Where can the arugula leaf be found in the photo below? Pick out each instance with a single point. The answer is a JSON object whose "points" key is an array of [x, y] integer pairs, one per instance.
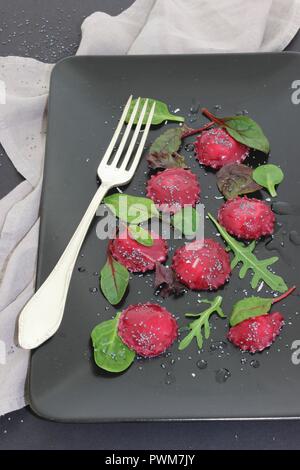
{"points": [[114, 279], [110, 353], [187, 220], [254, 306], [161, 112], [131, 209], [235, 179], [202, 322], [249, 307], [268, 176], [243, 129], [244, 254], [141, 235]]}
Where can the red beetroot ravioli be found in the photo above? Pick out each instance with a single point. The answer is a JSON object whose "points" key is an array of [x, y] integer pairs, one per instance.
{"points": [[256, 333], [203, 267], [148, 329], [216, 148], [136, 257], [247, 218], [173, 188]]}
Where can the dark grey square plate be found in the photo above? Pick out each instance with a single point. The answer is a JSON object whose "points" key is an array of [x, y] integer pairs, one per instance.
{"points": [[85, 98]]}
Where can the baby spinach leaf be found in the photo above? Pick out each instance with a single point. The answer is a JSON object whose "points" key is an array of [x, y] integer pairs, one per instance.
{"points": [[244, 255], [235, 179], [249, 307], [114, 279], [161, 112], [243, 129], [202, 322], [187, 221], [268, 176], [248, 132], [163, 153], [141, 235], [131, 209], [110, 353]]}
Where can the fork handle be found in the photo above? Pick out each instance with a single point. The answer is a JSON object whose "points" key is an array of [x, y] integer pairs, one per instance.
{"points": [[42, 315]]}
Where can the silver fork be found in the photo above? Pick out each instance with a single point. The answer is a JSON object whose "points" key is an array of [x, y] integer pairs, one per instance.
{"points": [[42, 315]]}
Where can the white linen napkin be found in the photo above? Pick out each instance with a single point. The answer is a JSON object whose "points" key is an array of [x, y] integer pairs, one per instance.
{"points": [[147, 27]]}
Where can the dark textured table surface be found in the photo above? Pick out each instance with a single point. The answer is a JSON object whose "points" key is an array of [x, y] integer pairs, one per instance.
{"points": [[49, 31]]}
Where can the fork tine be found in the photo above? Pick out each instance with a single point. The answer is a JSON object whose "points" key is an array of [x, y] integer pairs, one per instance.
{"points": [[134, 137], [116, 133], [143, 141], [126, 134]]}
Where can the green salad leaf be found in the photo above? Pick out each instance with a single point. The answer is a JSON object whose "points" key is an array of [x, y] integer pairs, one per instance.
{"points": [[268, 176], [110, 353], [243, 129], [131, 209], [114, 279], [202, 322], [254, 306], [169, 141], [249, 307], [161, 112], [244, 255], [141, 235], [187, 221]]}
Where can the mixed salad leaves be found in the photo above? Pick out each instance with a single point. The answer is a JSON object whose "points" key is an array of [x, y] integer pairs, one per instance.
{"points": [[223, 144]]}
